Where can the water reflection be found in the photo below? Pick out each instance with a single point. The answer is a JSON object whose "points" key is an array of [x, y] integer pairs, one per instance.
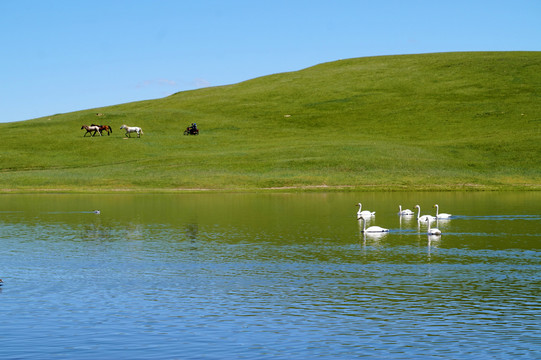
{"points": [[433, 243], [286, 275], [192, 233], [372, 236], [406, 220], [96, 232]]}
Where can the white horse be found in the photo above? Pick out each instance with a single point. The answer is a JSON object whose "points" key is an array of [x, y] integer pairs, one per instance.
{"points": [[89, 129], [130, 129]]}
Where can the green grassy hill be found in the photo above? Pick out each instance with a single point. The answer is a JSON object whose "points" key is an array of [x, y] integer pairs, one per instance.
{"points": [[431, 121]]}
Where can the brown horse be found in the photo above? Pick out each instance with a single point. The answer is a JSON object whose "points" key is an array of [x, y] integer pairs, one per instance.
{"points": [[104, 128], [89, 129]]}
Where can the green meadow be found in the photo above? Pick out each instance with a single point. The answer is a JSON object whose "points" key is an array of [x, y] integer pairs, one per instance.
{"points": [[445, 121]]}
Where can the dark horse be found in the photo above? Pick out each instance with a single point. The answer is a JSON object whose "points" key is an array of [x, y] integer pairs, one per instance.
{"points": [[89, 129], [191, 131], [104, 128]]}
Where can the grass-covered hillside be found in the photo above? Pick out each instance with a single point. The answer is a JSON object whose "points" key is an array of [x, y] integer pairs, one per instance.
{"points": [[431, 121]]}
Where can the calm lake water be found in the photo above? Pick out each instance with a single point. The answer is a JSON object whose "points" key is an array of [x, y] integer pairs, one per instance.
{"points": [[270, 276]]}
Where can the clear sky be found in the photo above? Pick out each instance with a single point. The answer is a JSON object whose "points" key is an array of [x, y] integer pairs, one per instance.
{"points": [[59, 56]]}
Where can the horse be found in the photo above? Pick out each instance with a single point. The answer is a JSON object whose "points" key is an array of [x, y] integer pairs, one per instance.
{"points": [[89, 129], [130, 129], [104, 127]]}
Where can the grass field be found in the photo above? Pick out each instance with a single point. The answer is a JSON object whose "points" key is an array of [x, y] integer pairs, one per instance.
{"points": [[446, 121]]}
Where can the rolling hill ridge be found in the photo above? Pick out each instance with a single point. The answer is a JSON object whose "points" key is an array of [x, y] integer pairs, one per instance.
{"points": [[446, 121]]}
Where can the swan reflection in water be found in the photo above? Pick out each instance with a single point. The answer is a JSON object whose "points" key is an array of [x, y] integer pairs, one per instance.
{"points": [[433, 241], [372, 237], [405, 220]]}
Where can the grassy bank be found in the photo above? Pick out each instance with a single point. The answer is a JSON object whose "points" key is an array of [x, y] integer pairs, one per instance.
{"points": [[412, 122]]}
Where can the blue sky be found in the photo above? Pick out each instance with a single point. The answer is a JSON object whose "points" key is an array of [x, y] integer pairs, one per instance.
{"points": [[64, 55]]}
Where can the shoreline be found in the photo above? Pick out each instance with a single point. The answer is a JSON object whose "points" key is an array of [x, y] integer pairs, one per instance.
{"points": [[277, 189]]}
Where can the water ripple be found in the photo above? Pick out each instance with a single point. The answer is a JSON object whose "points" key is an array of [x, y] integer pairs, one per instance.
{"points": [[277, 285]]}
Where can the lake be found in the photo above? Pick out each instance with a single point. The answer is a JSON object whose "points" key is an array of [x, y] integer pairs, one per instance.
{"points": [[269, 276]]}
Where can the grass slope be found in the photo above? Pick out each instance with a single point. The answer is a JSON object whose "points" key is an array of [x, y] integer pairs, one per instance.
{"points": [[430, 121]]}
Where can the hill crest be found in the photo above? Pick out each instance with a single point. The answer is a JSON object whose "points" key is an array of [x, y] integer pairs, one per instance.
{"points": [[428, 121]]}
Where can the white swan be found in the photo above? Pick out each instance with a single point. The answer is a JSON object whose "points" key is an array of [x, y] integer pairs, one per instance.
{"points": [[433, 231], [372, 229], [441, 215], [365, 213], [405, 211], [424, 217]]}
